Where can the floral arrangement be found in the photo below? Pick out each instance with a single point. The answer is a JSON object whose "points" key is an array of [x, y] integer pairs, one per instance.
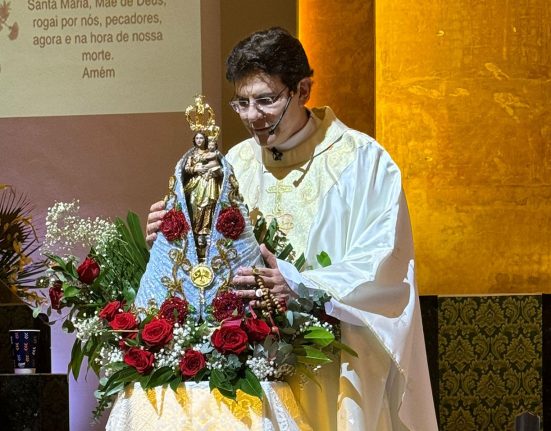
{"points": [[235, 348], [18, 241]]}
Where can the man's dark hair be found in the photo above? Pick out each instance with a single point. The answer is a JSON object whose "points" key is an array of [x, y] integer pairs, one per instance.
{"points": [[275, 52]]}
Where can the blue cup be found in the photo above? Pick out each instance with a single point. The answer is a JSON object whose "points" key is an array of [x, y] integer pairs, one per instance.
{"points": [[24, 344]]}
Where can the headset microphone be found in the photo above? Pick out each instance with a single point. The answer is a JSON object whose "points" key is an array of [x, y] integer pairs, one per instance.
{"points": [[273, 128]]}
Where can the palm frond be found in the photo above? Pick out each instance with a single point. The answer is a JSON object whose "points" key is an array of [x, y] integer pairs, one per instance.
{"points": [[18, 241]]}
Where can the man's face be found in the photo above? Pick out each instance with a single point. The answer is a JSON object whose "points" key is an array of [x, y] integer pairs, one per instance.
{"points": [[259, 119]]}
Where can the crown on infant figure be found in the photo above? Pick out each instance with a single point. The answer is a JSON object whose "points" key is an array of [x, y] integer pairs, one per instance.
{"points": [[201, 118]]}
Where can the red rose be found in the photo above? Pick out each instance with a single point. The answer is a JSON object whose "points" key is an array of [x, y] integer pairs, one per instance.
{"points": [[174, 225], [56, 295], [257, 329], [141, 360], [174, 310], [111, 310], [157, 333], [191, 363], [227, 305], [230, 223], [230, 338], [88, 270], [124, 322]]}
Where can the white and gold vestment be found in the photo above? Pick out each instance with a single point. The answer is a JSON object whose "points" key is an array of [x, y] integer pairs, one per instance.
{"points": [[339, 191]]}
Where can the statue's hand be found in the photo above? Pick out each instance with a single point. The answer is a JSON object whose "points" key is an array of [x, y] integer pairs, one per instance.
{"points": [[156, 213], [273, 279]]}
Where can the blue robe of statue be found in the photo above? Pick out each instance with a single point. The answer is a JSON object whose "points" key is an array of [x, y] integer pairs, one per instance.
{"points": [[172, 263]]}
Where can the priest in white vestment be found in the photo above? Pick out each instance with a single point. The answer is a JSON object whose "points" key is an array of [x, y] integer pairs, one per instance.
{"points": [[334, 190]]}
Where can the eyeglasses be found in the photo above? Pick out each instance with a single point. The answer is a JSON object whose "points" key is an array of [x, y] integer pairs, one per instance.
{"points": [[261, 103]]}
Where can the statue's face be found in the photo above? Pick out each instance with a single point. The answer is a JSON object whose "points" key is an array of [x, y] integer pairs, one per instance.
{"points": [[200, 140], [212, 146]]}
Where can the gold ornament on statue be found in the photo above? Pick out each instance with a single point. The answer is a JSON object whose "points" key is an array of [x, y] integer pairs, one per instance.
{"points": [[201, 276], [201, 118]]}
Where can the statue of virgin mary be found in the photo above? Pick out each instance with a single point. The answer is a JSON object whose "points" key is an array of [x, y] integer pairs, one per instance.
{"points": [[206, 234]]}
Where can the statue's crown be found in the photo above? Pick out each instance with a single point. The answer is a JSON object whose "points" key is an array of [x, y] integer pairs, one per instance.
{"points": [[200, 117]]}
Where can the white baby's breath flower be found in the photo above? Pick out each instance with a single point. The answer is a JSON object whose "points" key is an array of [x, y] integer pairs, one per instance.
{"points": [[66, 230], [85, 328], [261, 367]]}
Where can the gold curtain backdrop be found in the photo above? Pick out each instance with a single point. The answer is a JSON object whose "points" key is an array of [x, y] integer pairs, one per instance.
{"points": [[461, 103]]}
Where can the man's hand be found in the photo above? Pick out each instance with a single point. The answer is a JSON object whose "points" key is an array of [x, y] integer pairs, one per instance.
{"points": [[156, 213], [273, 279]]}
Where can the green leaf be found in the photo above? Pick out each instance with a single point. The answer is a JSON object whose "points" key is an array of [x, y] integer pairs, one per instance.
{"points": [[285, 252], [175, 382], [133, 240], [93, 352], [60, 262], [250, 384], [323, 259], [77, 355], [142, 380], [137, 233], [115, 379], [68, 326], [70, 291], [159, 377], [273, 228], [231, 393], [114, 389], [88, 346], [217, 377], [284, 348], [129, 294], [341, 346], [284, 354], [320, 336], [36, 312], [299, 263], [219, 381], [113, 367], [260, 229], [312, 356], [71, 270], [124, 375], [199, 376]]}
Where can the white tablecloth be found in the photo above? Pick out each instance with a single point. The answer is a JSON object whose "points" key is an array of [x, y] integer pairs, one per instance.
{"points": [[194, 407]]}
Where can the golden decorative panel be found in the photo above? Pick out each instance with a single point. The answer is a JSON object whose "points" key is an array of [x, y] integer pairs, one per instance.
{"points": [[463, 92], [462, 95]]}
